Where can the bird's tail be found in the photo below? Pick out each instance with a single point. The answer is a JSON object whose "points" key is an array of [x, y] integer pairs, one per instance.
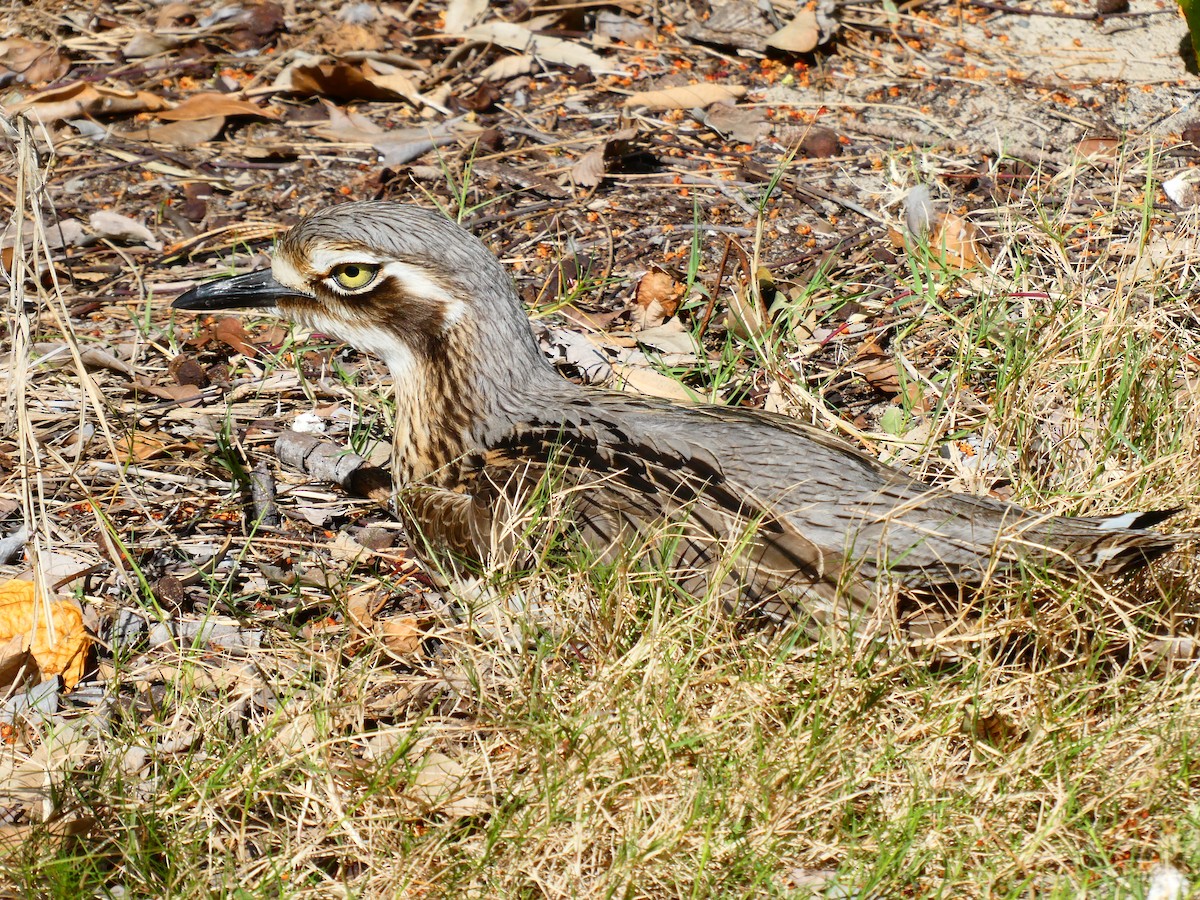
{"points": [[1110, 545]]}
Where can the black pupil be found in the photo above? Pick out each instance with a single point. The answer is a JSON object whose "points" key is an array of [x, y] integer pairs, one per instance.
{"points": [[351, 272]]}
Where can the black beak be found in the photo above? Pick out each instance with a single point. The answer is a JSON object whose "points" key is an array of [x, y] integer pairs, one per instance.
{"points": [[254, 289]]}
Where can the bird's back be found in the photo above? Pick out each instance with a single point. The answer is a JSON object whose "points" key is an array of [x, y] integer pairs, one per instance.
{"points": [[809, 519]]}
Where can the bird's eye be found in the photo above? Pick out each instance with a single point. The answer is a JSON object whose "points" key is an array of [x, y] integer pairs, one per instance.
{"points": [[354, 276]]}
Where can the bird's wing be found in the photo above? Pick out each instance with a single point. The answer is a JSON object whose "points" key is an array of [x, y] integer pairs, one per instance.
{"points": [[614, 485]]}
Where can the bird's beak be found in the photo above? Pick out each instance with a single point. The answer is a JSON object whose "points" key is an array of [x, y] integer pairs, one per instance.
{"points": [[254, 289]]}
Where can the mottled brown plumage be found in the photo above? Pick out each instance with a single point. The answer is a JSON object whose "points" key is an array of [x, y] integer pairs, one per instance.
{"points": [[816, 527]]}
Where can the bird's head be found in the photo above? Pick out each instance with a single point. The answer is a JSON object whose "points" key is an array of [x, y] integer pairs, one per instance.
{"points": [[424, 295], [401, 282]]}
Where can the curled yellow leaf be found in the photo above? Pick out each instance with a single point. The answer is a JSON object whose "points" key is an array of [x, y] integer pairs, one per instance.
{"points": [[58, 650]]}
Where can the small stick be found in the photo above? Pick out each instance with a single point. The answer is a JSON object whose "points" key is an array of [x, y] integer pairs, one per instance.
{"points": [[325, 461]]}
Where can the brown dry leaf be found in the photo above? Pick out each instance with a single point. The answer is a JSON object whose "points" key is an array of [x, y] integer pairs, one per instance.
{"points": [[589, 169], [361, 608], [657, 299], [186, 369], [23, 615], [396, 147], [211, 105], [958, 243], [1100, 149], [688, 96], [349, 81], [745, 317], [31, 62], [231, 332], [347, 549], [144, 446], [877, 367], [801, 35], [188, 394], [80, 99], [187, 133], [639, 380], [400, 635], [746, 125], [440, 786], [672, 342]]}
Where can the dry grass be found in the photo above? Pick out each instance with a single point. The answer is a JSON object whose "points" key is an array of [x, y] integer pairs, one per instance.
{"points": [[585, 731]]}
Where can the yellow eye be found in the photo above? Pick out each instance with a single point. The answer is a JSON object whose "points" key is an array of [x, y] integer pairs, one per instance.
{"points": [[353, 276]]}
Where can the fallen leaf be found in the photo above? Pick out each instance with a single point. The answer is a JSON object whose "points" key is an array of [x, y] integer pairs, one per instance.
{"points": [[232, 332], [734, 23], [396, 147], [209, 105], [347, 549], [352, 37], [617, 27], [1182, 190], [877, 367], [674, 343], [639, 380], [187, 394], [746, 316], [959, 243], [462, 14], [746, 125], [361, 608], [820, 143], [31, 781], [688, 96], [111, 226], [175, 15], [657, 299], [186, 369], [400, 635], [23, 615], [507, 67], [16, 661], [73, 101], [548, 49], [567, 347], [442, 785], [31, 62], [187, 133], [362, 80], [1098, 149], [801, 35], [143, 446], [589, 169]]}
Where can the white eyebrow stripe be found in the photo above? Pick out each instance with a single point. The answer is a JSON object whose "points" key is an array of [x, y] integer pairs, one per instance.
{"points": [[417, 282], [322, 261]]}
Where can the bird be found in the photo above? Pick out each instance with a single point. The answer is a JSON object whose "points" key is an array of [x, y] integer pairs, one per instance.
{"points": [[776, 517]]}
